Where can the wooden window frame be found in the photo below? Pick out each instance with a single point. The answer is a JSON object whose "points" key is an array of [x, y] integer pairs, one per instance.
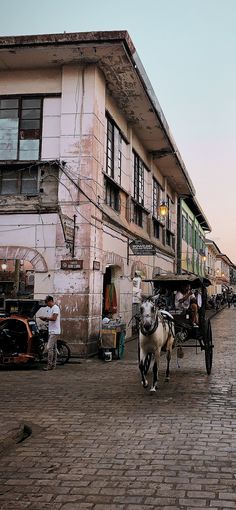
{"points": [[20, 136], [156, 198], [112, 195], [19, 171], [139, 168]]}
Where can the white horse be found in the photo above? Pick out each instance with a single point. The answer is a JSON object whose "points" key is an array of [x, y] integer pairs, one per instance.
{"points": [[156, 331]]}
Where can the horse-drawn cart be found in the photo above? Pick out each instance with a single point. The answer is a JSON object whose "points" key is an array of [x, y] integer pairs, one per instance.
{"points": [[164, 289]]}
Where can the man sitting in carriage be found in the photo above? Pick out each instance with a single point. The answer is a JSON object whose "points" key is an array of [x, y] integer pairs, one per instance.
{"points": [[186, 301]]}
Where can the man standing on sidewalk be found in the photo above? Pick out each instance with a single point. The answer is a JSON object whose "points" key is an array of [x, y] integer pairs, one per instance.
{"points": [[54, 330]]}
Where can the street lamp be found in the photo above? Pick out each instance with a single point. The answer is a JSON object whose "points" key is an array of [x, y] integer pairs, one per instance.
{"points": [[203, 255], [163, 209], [4, 265]]}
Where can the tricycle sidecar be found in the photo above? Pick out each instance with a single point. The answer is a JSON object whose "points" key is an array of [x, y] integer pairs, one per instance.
{"points": [[19, 334]]}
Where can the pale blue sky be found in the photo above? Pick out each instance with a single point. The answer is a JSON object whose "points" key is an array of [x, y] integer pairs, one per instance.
{"points": [[188, 48]]}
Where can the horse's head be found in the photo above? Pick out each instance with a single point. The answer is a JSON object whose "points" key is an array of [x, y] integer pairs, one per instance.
{"points": [[148, 316]]}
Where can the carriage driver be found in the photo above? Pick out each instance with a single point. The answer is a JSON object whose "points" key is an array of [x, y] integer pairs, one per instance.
{"points": [[186, 300]]}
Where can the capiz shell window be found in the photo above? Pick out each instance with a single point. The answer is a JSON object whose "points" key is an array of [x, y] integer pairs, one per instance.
{"points": [[20, 128]]}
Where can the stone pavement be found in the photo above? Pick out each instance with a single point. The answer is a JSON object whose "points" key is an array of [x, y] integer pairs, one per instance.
{"points": [[100, 441]]}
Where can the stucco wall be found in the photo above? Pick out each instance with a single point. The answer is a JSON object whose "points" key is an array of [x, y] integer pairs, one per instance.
{"points": [[74, 132]]}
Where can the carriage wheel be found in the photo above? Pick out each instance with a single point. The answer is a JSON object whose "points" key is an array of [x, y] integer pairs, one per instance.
{"points": [[208, 347]]}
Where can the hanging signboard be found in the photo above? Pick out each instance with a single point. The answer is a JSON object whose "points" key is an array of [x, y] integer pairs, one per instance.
{"points": [[139, 247], [68, 228]]}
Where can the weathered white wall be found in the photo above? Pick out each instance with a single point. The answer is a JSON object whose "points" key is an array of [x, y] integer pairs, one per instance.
{"points": [[74, 131], [35, 81]]}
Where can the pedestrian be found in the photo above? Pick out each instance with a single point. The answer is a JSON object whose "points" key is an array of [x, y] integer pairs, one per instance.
{"points": [[218, 301], [54, 330], [229, 300]]}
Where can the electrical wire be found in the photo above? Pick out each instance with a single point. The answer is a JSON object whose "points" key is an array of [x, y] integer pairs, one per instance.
{"points": [[62, 168]]}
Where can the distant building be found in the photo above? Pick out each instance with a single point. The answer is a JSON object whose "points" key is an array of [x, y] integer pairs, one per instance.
{"points": [[218, 268]]}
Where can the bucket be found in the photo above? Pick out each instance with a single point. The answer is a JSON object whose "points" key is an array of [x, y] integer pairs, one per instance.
{"points": [[108, 356]]}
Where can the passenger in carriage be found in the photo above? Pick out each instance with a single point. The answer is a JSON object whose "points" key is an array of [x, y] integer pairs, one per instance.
{"points": [[185, 300]]}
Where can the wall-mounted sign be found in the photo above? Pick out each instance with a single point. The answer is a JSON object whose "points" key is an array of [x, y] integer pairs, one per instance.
{"points": [[72, 264], [142, 248], [96, 265], [68, 228]]}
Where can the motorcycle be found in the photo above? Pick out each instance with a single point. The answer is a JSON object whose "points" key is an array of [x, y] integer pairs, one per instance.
{"points": [[63, 349], [21, 340]]}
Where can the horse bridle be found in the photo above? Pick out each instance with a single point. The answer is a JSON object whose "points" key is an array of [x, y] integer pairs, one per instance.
{"points": [[151, 331]]}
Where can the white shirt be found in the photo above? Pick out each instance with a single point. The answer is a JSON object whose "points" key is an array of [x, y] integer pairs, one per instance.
{"points": [[199, 300], [181, 306], [54, 327]]}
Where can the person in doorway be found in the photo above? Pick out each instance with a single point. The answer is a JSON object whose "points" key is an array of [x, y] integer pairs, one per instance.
{"points": [[137, 288], [54, 330]]}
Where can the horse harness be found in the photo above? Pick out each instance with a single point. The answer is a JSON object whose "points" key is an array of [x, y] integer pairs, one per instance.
{"points": [[164, 319]]}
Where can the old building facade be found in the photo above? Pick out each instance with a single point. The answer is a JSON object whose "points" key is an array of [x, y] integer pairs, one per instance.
{"points": [[86, 160], [193, 228]]}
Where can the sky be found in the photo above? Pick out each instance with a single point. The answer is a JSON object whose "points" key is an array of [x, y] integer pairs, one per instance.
{"points": [[188, 49]]}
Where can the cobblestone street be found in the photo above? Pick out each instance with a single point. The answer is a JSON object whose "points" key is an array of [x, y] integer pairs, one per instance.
{"points": [[100, 441]]}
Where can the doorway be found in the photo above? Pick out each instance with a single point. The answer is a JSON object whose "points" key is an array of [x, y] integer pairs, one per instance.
{"points": [[16, 280], [109, 301]]}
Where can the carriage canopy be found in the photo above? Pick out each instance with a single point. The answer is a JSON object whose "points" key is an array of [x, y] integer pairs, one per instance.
{"points": [[174, 281]]}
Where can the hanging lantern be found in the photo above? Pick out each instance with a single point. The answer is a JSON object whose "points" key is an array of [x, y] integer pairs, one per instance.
{"points": [[4, 265], [163, 209]]}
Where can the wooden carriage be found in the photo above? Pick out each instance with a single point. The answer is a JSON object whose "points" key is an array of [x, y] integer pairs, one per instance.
{"points": [[164, 288]]}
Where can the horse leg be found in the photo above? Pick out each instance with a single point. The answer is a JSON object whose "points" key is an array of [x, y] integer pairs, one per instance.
{"points": [[142, 369], [155, 371], [168, 357], [169, 346]]}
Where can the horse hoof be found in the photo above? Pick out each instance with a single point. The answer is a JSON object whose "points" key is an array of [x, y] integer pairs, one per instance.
{"points": [[145, 384], [153, 389]]}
